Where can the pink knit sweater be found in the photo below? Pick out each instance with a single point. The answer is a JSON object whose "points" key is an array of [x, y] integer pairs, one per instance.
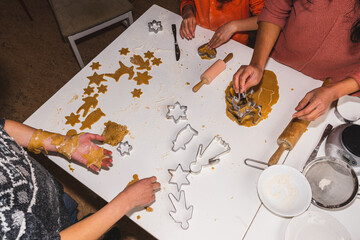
{"points": [[315, 37]]}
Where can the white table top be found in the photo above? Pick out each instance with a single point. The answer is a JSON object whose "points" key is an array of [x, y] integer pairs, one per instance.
{"points": [[225, 199]]}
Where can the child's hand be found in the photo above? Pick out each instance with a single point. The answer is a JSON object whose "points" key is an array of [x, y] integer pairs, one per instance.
{"points": [[188, 24]]}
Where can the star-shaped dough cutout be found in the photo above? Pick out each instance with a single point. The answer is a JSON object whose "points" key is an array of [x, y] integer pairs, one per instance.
{"points": [[149, 54], [136, 93], [95, 66], [156, 61], [89, 90], [179, 176], [124, 51], [142, 78], [102, 88], [96, 78], [94, 157], [72, 119]]}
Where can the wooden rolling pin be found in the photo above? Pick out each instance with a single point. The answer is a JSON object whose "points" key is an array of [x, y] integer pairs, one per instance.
{"points": [[212, 72], [291, 134]]}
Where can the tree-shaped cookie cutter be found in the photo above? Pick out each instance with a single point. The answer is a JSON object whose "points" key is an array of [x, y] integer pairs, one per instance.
{"points": [[179, 176], [182, 213], [124, 148], [176, 112], [155, 26], [211, 154], [183, 137]]}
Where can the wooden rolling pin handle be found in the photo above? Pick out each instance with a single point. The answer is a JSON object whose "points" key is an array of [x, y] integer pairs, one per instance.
{"points": [[277, 154], [228, 57], [199, 85]]}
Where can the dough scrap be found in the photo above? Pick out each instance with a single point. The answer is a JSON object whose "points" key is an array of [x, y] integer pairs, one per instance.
{"points": [[92, 118], [37, 141], [114, 133], [68, 146], [265, 94], [71, 132], [142, 78], [95, 157], [139, 61], [72, 119], [95, 66], [135, 179]]}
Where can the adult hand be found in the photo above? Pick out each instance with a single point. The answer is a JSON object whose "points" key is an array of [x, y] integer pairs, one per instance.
{"points": [[222, 35], [188, 24], [141, 192], [315, 103], [246, 77], [85, 142]]}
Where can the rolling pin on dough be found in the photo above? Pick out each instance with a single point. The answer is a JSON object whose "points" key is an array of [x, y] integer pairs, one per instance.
{"points": [[291, 134], [212, 72]]}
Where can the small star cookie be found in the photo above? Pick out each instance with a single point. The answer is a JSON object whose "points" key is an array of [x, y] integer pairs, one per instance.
{"points": [[94, 157], [89, 90], [149, 54], [124, 51], [95, 66], [96, 78], [102, 88], [156, 61], [72, 119], [136, 93], [142, 78]]}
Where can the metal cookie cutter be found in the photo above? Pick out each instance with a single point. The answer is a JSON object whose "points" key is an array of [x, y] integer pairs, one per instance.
{"points": [[182, 213], [183, 137], [176, 112], [211, 154], [243, 106], [179, 176], [124, 148], [155, 26], [205, 52]]}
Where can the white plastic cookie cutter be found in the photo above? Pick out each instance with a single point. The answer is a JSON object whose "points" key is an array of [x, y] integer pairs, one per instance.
{"points": [[183, 137], [176, 112], [155, 26], [179, 176], [211, 155], [182, 213], [124, 148]]}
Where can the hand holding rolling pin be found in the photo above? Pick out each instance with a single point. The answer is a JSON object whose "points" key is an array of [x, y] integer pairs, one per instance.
{"points": [[212, 72]]}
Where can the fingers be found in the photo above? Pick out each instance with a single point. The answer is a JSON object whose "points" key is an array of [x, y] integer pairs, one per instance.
{"points": [[310, 107], [187, 29], [236, 80]]}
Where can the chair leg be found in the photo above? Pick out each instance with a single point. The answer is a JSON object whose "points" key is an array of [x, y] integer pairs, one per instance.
{"points": [[76, 51]]}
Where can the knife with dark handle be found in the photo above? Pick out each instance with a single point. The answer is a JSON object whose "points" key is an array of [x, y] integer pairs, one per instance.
{"points": [[177, 49], [313, 155]]}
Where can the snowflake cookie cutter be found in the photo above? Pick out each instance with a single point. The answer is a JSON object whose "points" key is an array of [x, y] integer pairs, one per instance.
{"points": [[124, 148], [183, 137], [176, 112], [211, 154], [155, 26], [179, 176], [182, 213]]}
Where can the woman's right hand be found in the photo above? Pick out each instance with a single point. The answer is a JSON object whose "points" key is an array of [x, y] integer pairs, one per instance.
{"points": [[141, 192], [246, 77], [188, 24]]}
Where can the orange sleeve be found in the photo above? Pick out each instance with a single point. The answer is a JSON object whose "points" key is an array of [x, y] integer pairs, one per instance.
{"points": [[186, 2], [256, 6]]}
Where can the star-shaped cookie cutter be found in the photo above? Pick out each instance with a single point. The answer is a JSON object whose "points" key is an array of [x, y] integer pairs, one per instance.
{"points": [[124, 148], [176, 112], [155, 26], [179, 176]]}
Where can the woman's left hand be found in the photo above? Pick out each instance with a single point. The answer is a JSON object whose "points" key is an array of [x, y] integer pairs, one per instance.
{"points": [[222, 35], [315, 103]]}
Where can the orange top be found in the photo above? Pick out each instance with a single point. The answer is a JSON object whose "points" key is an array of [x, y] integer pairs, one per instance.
{"points": [[210, 16]]}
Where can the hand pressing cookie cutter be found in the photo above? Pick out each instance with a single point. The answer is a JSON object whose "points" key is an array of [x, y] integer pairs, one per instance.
{"points": [[182, 213], [155, 26], [179, 176], [204, 51], [124, 148], [183, 137], [176, 112], [211, 154]]}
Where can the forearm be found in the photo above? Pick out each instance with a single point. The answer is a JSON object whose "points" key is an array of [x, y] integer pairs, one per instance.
{"points": [[20, 132], [247, 24], [266, 37], [187, 10], [344, 87], [97, 224]]}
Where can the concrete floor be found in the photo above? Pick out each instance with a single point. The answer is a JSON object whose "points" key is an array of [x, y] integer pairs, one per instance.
{"points": [[35, 63]]}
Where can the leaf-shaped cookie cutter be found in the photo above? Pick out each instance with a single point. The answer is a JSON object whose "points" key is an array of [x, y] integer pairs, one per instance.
{"points": [[180, 207]]}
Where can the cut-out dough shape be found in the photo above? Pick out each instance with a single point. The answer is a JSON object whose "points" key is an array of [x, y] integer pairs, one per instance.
{"points": [[182, 213], [139, 61], [72, 119], [124, 51], [156, 61], [124, 148], [179, 176], [142, 78], [121, 71], [149, 54], [183, 137], [88, 103], [89, 90], [96, 78], [136, 93], [206, 53], [94, 157], [92, 118], [95, 66], [176, 112], [102, 88], [211, 154], [135, 179], [114, 133]]}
